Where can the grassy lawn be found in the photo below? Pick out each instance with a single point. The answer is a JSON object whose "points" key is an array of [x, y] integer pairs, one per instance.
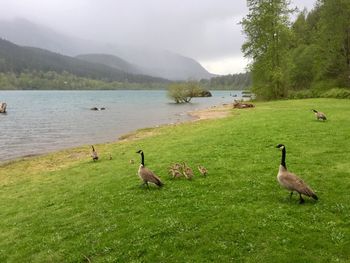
{"points": [[63, 207]]}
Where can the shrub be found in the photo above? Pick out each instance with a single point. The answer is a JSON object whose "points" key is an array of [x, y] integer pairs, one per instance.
{"points": [[184, 92], [302, 94], [337, 93]]}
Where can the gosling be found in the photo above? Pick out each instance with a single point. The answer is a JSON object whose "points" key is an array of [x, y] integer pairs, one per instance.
{"points": [[94, 154], [320, 115], [175, 170], [146, 175], [203, 171], [187, 171], [292, 182]]}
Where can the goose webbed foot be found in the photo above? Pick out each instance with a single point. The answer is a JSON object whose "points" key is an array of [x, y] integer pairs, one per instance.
{"points": [[290, 196], [301, 200], [144, 184]]}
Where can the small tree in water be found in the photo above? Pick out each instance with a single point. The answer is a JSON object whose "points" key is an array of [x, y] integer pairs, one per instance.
{"points": [[184, 92]]}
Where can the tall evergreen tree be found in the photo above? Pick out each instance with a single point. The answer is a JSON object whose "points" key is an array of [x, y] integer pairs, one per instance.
{"points": [[301, 30], [267, 42], [304, 52], [335, 40]]}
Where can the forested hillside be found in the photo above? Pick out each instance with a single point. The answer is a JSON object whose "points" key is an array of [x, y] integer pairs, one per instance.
{"points": [[39, 80], [111, 61], [239, 81], [308, 57]]}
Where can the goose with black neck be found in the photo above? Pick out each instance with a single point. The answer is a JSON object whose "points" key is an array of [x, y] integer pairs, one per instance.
{"points": [[291, 181], [145, 174]]}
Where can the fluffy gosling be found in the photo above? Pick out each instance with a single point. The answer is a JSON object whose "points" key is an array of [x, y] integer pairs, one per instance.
{"points": [[175, 170], [202, 170], [187, 171]]}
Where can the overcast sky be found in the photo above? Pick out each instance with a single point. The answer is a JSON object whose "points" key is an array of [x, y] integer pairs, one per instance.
{"points": [[206, 30]]}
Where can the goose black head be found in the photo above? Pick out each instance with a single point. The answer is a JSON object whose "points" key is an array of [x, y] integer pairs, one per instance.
{"points": [[280, 146], [140, 151], [315, 111]]}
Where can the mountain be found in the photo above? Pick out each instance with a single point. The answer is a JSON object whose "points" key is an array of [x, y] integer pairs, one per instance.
{"points": [[18, 59], [149, 61], [163, 63], [111, 61]]}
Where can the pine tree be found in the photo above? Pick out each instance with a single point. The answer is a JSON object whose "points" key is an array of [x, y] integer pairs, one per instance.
{"points": [[335, 40]]}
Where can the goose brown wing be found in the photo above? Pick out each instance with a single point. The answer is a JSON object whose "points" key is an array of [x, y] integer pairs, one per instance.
{"points": [[321, 115], [293, 182], [94, 155], [149, 176]]}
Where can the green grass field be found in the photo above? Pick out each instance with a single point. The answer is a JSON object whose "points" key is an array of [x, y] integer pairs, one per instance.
{"points": [[63, 207]]}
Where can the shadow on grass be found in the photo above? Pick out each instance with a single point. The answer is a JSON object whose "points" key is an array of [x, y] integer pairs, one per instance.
{"points": [[295, 201], [141, 187]]}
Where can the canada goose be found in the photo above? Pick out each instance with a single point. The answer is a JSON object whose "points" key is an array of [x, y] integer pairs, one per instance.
{"points": [[319, 115], [94, 155], [3, 106], [187, 171], [202, 170], [292, 182], [146, 174]]}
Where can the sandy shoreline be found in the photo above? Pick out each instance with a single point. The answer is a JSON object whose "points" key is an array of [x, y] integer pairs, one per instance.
{"points": [[214, 112]]}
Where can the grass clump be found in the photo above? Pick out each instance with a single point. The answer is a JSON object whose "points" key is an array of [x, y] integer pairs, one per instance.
{"points": [[60, 209]]}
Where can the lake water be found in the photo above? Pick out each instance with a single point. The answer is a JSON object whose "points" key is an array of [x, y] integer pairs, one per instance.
{"points": [[43, 121]]}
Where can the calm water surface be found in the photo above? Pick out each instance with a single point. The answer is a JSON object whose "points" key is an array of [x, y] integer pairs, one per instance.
{"points": [[43, 121]]}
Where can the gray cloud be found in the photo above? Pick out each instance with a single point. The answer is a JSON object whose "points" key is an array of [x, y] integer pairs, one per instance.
{"points": [[206, 30]]}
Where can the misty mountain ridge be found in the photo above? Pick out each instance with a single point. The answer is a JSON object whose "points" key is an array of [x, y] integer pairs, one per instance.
{"points": [[111, 61], [147, 61], [19, 59]]}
